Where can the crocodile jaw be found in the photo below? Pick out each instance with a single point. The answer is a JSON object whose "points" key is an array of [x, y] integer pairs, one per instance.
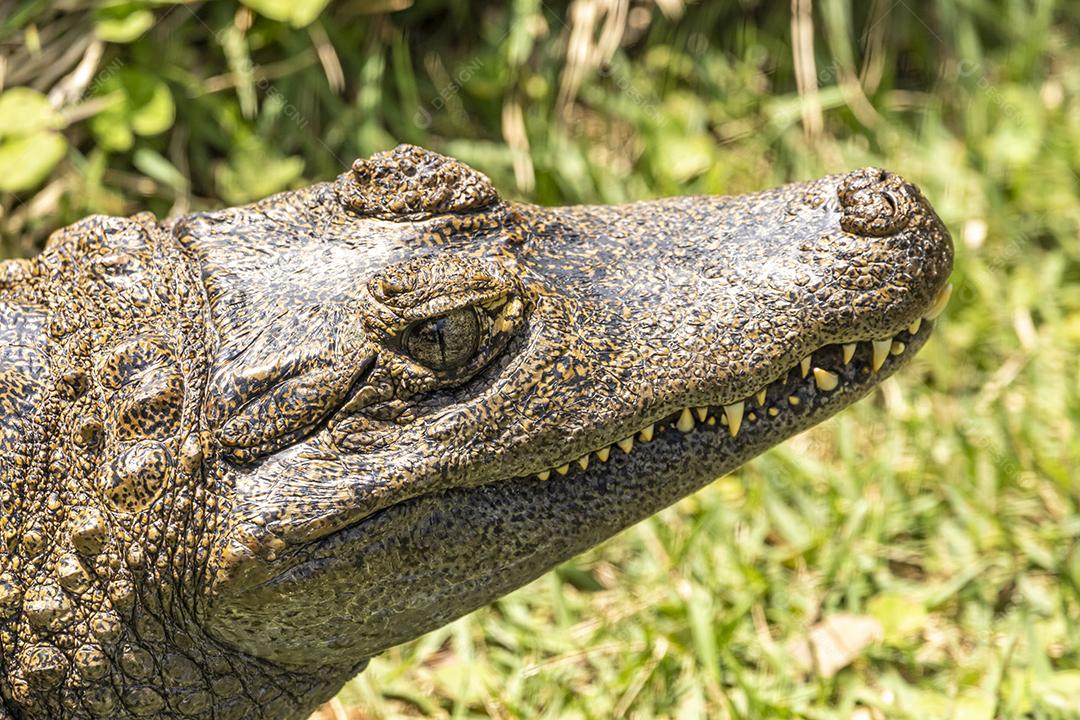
{"points": [[508, 477], [483, 542]]}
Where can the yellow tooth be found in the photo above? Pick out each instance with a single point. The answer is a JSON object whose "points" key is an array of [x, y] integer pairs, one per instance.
{"points": [[773, 412], [825, 380], [849, 351], [939, 303], [804, 365], [702, 413], [543, 475], [914, 327], [793, 399], [881, 351], [583, 462], [734, 417], [603, 454], [711, 420], [626, 444], [646, 434], [563, 469], [761, 397], [686, 421], [897, 347]]}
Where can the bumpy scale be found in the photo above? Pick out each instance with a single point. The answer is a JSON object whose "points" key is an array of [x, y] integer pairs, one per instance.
{"points": [[245, 451]]}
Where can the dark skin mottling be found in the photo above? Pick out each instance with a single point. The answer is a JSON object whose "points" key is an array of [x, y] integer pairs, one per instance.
{"points": [[245, 451]]}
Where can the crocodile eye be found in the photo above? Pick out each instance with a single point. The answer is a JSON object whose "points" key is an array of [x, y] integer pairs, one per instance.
{"points": [[445, 342]]}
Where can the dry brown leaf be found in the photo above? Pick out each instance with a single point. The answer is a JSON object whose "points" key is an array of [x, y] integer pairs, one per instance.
{"points": [[835, 642]]}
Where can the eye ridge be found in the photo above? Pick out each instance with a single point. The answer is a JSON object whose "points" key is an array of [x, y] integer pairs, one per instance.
{"points": [[444, 342]]}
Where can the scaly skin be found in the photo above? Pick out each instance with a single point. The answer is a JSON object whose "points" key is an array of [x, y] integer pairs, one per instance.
{"points": [[245, 451]]}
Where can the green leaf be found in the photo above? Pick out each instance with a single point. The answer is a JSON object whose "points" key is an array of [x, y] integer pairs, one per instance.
{"points": [[154, 165], [144, 107], [112, 131], [900, 616], [24, 111], [255, 171], [297, 13], [151, 105], [123, 22], [1060, 690], [27, 160]]}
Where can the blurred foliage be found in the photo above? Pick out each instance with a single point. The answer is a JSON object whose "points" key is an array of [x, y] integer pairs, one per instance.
{"points": [[945, 508]]}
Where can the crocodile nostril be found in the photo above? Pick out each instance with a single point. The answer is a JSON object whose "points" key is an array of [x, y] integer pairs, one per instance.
{"points": [[874, 203], [893, 207]]}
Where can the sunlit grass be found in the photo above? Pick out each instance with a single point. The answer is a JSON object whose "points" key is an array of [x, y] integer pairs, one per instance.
{"points": [[945, 506]]}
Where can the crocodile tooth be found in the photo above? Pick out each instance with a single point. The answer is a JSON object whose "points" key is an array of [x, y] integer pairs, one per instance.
{"points": [[897, 347], [702, 413], [825, 380], [686, 421], [914, 327], [881, 352], [583, 462], [804, 365], [646, 434], [849, 351], [626, 444], [793, 400], [773, 412], [761, 397], [563, 469], [603, 453], [939, 303], [541, 476], [734, 417]]}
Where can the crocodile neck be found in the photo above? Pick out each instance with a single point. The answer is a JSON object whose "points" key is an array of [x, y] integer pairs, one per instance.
{"points": [[108, 509]]}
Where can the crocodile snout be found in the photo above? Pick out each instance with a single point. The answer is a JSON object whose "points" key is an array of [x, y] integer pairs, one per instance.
{"points": [[876, 202]]}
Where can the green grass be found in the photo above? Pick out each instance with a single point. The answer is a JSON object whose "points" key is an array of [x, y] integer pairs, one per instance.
{"points": [[944, 507]]}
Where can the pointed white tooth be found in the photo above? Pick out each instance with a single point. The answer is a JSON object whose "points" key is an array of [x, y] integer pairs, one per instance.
{"points": [[761, 397], [686, 421], [541, 476], [734, 417], [849, 351], [583, 462], [603, 454], [825, 380], [881, 352], [646, 434], [897, 347], [939, 303], [804, 365], [702, 413], [563, 469], [626, 444], [914, 327]]}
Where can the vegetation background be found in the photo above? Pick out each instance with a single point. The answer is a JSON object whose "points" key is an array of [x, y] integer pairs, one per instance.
{"points": [[916, 557]]}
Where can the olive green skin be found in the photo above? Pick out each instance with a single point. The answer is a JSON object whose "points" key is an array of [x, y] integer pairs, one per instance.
{"points": [[245, 451]]}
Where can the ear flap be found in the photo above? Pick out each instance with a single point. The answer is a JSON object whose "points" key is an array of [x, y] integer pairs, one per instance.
{"points": [[411, 183]]}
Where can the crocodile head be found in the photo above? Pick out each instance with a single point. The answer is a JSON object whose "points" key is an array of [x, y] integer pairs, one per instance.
{"points": [[423, 396]]}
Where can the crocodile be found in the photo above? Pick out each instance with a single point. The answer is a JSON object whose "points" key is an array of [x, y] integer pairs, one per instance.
{"points": [[244, 451]]}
